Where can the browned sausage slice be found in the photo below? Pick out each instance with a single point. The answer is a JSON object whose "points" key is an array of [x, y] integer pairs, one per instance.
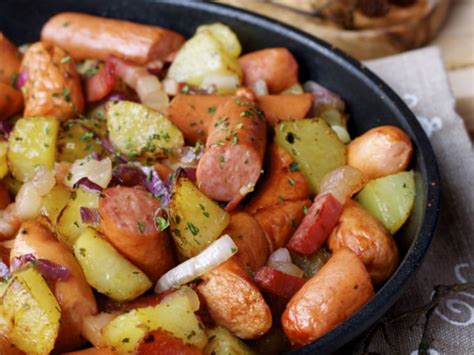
{"points": [[10, 60], [127, 220], [74, 294], [284, 107], [52, 87], [331, 296], [368, 238], [11, 101], [92, 37], [235, 302], [232, 163]]}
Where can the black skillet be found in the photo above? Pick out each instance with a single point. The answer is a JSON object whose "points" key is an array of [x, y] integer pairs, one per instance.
{"points": [[370, 101]]}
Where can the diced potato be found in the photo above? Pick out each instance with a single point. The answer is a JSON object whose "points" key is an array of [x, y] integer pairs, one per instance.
{"points": [[390, 199], [195, 220], [70, 224], [174, 314], [3, 159], [54, 202], [136, 130], [227, 39], [223, 342], [30, 313], [96, 120], [75, 142], [32, 143], [314, 145], [108, 271], [202, 56]]}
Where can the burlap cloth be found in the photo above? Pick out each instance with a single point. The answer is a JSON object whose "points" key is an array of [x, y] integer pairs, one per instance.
{"points": [[420, 79]]}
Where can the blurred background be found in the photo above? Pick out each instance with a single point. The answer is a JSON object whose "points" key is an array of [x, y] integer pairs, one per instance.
{"points": [[368, 29]]}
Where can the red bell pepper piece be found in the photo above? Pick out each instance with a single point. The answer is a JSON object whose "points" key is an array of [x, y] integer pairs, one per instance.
{"points": [[278, 283], [317, 225]]}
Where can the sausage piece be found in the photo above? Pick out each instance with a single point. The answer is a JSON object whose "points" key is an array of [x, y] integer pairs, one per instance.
{"points": [[74, 294], [10, 60], [232, 162], [331, 296], [368, 238], [381, 151], [280, 222], [276, 66], [234, 301], [52, 86], [127, 220], [282, 182], [284, 107], [11, 101], [250, 240], [92, 37], [92, 351]]}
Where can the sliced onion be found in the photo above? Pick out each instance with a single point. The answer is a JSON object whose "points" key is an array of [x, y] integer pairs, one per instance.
{"points": [[171, 87], [22, 78], [4, 270], [287, 268], [89, 215], [99, 172], [260, 87], [189, 293], [5, 128], [323, 98], [343, 182], [151, 93], [43, 180], [156, 186], [224, 83], [28, 201], [281, 254], [185, 157], [47, 268], [342, 133], [10, 222], [89, 185], [214, 255]]}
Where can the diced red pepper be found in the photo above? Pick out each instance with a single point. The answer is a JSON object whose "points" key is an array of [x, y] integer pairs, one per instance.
{"points": [[160, 342], [101, 84], [277, 282], [317, 225]]}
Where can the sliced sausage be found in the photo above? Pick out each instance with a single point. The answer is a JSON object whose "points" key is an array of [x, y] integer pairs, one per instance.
{"points": [[368, 238], [52, 86], [381, 151], [234, 301], [11, 101], [276, 66], [74, 294], [331, 296], [127, 220], [161, 342], [284, 107], [92, 37], [250, 239], [92, 351], [280, 222], [232, 162], [5, 197], [282, 182], [10, 59]]}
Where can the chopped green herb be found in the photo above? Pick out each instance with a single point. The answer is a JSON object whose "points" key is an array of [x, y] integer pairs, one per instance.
{"points": [[294, 166], [66, 59], [141, 227], [185, 89], [291, 181], [305, 210], [193, 229], [211, 110]]}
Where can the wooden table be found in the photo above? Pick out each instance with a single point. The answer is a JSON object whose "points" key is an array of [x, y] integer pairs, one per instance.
{"points": [[456, 40]]}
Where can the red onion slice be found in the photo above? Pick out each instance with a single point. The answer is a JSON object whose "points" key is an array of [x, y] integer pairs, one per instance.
{"points": [[22, 78], [90, 215], [85, 182], [47, 268]]}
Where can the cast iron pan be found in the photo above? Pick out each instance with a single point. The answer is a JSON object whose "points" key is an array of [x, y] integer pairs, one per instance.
{"points": [[370, 101]]}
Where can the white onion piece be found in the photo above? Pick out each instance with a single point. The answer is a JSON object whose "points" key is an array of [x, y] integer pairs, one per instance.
{"points": [[260, 87], [215, 254], [97, 171], [343, 182], [10, 222], [151, 93], [171, 86], [28, 201], [43, 180], [286, 267], [92, 327], [224, 83], [189, 293], [281, 254], [342, 133]]}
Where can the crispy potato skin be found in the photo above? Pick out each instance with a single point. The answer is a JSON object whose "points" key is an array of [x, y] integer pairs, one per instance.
{"points": [[53, 87], [331, 296], [10, 59], [127, 222], [368, 238], [74, 295], [250, 240], [93, 37], [381, 151], [276, 66], [11, 101], [280, 222], [280, 183], [234, 301]]}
